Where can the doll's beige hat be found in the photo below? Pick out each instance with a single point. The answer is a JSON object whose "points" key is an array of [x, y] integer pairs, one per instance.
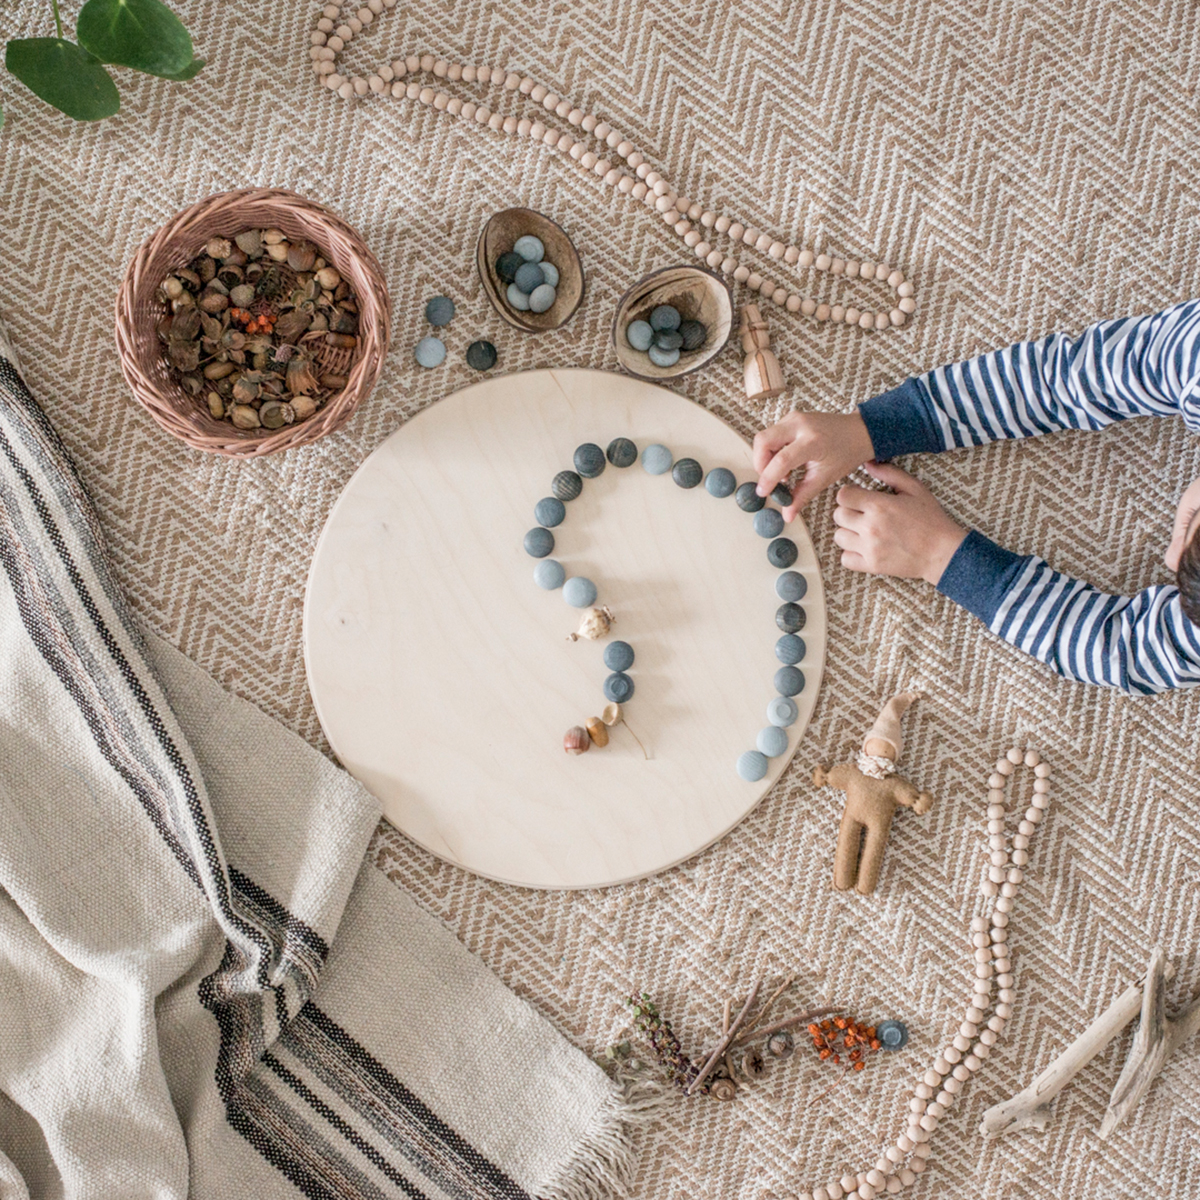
{"points": [[887, 724]]}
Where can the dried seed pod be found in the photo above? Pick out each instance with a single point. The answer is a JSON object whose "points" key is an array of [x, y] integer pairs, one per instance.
{"points": [[292, 324], [231, 275], [236, 257], [218, 247], [753, 1064], [272, 237], [611, 715], [275, 414], [335, 382], [189, 277], [301, 256], [341, 341], [575, 740], [597, 731], [278, 251], [218, 370], [185, 356], [213, 302], [722, 1089], [303, 407], [242, 295], [781, 1044], [172, 288], [299, 377], [245, 388], [206, 268], [250, 242], [328, 277], [216, 406], [595, 624], [186, 325], [344, 322], [244, 417]]}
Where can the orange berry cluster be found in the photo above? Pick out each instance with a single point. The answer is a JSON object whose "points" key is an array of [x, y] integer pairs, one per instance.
{"points": [[842, 1036], [263, 323]]}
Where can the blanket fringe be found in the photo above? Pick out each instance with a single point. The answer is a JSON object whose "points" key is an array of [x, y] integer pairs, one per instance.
{"points": [[603, 1163]]}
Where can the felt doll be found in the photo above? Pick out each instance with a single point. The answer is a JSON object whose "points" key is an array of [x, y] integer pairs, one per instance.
{"points": [[873, 790]]}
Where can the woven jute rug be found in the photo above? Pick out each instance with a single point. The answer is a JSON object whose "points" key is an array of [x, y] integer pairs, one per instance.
{"points": [[1032, 167]]}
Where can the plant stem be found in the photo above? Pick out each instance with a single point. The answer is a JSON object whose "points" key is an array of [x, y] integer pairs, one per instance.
{"points": [[57, 18], [715, 1056], [790, 1023]]}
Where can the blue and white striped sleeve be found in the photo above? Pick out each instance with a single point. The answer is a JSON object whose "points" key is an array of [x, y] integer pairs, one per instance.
{"points": [[1141, 644], [1136, 366]]}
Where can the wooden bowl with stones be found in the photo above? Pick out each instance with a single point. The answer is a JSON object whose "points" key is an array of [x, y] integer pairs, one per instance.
{"points": [[699, 294], [499, 236], [140, 308]]}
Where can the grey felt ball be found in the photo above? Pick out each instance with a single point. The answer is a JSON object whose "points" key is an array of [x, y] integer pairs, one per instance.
{"points": [[768, 522], [579, 592], [542, 298], [791, 585], [539, 542], [589, 460], [790, 649], [782, 552], [668, 339], [517, 298], [530, 248], [430, 352], [657, 459], [439, 310], [790, 617], [752, 766], [663, 358], [549, 574], [529, 276], [772, 741], [622, 452], [748, 500], [789, 681], [618, 656], [550, 511], [618, 687], [665, 316], [687, 473], [549, 273], [566, 485], [720, 482], [639, 335], [782, 711]]}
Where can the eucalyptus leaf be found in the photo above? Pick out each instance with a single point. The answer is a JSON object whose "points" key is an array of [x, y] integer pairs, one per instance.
{"points": [[65, 76], [143, 34], [189, 72]]}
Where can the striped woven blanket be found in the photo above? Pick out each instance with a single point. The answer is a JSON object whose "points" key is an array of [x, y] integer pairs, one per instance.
{"points": [[205, 989]]}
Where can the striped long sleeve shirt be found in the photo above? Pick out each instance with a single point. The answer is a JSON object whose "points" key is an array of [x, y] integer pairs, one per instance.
{"points": [[1138, 366]]}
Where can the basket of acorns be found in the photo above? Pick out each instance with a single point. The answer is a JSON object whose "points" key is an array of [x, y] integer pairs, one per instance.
{"points": [[252, 322]]}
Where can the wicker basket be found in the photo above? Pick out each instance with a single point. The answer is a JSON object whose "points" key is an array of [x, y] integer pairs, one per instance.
{"points": [[139, 309]]}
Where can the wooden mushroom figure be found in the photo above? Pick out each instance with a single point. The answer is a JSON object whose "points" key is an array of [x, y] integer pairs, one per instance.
{"points": [[763, 378], [873, 791]]}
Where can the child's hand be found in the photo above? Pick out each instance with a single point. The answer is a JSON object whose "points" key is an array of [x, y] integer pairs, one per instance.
{"points": [[825, 446], [906, 534]]}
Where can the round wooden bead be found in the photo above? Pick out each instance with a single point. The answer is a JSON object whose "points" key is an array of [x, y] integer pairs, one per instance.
{"points": [[621, 452], [589, 460], [539, 542], [782, 711], [782, 552], [789, 681], [790, 617], [687, 473], [790, 649], [720, 482], [752, 765], [618, 656], [768, 523], [772, 741], [550, 512], [580, 592], [566, 485], [657, 459], [791, 586], [748, 499]]}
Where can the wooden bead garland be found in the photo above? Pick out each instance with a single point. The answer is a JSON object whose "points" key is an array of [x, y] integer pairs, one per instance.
{"points": [[594, 144]]}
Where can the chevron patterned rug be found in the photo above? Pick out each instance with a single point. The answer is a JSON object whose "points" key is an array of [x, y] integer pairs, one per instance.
{"points": [[1032, 167]]}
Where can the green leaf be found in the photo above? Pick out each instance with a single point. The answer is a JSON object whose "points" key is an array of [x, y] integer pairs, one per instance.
{"points": [[189, 72], [143, 34], [65, 76]]}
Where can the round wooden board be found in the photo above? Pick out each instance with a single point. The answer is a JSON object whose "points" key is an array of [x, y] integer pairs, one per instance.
{"points": [[443, 677]]}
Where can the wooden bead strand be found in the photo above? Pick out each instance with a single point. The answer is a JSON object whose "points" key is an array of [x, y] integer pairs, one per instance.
{"points": [[690, 220]]}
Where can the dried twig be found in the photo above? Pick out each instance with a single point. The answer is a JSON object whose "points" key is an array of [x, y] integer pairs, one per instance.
{"points": [[766, 1008], [726, 1041], [790, 1023], [725, 1014]]}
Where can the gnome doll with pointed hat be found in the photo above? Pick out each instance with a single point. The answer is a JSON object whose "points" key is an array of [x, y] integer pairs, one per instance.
{"points": [[873, 790]]}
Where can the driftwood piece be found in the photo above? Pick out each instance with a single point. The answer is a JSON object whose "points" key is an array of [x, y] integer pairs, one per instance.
{"points": [[1030, 1108]]}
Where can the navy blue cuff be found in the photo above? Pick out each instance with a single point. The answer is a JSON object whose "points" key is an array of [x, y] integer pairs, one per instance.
{"points": [[980, 575], [901, 422]]}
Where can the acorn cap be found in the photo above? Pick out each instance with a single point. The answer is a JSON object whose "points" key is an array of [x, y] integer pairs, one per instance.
{"points": [[887, 724]]}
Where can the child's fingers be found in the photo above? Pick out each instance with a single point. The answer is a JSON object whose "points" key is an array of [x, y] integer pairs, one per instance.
{"points": [[802, 493], [853, 561], [847, 518], [780, 466], [768, 442], [894, 477], [851, 496], [846, 539]]}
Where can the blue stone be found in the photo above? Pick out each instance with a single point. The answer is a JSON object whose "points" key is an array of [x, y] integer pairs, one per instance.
{"points": [[748, 500], [893, 1035], [430, 352], [752, 766], [782, 495], [665, 316], [618, 687], [668, 339], [506, 266], [720, 482], [589, 460], [530, 248], [782, 552], [549, 574], [529, 276], [439, 310], [539, 542], [657, 459], [790, 649], [550, 512], [694, 335], [618, 656], [772, 741], [768, 522], [517, 298], [542, 299], [622, 452], [566, 485], [579, 592], [791, 585], [663, 358], [639, 335], [782, 711], [549, 272], [687, 472], [790, 617], [789, 681]]}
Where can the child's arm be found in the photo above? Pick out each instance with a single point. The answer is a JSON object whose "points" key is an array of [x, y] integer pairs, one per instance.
{"points": [[1137, 366]]}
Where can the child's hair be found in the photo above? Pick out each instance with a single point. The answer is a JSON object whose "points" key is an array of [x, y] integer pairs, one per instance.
{"points": [[1188, 579]]}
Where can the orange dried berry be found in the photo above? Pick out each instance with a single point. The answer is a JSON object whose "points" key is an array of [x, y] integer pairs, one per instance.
{"points": [[870, 1031], [837, 1058], [826, 1053], [875, 1043], [841, 1022], [814, 1029], [827, 1025], [858, 1066]]}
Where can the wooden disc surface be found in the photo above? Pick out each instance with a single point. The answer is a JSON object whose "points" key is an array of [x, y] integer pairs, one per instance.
{"points": [[443, 676]]}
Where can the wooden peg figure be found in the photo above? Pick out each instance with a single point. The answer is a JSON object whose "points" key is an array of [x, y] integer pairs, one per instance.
{"points": [[873, 790], [763, 377]]}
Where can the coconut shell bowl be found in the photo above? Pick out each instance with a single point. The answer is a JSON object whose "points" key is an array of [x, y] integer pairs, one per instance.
{"points": [[698, 294], [141, 307], [498, 238]]}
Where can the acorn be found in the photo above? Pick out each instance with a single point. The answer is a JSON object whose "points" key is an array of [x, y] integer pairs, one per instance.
{"points": [[781, 1044], [576, 740], [722, 1089], [597, 731]]}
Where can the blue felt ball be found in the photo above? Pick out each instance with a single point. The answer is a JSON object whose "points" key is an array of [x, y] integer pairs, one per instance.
{"points": [[782, 552], [430, 352], [772, 741], [783, 710], [791, 585], [622, 452], [549, 574], [789, 681], [663, 358], [530, 248], [579, 592], [550, 512], [589, 460], [657, 459], [720, 482], [665, 316], [542, 298], [439, 310], [768, 522], [618, 687], [517, 298], [752, 766], [529, 276], [549, 272], [539, 542], [639, 335], [748, 500], [618, 656], [790, 649]]}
